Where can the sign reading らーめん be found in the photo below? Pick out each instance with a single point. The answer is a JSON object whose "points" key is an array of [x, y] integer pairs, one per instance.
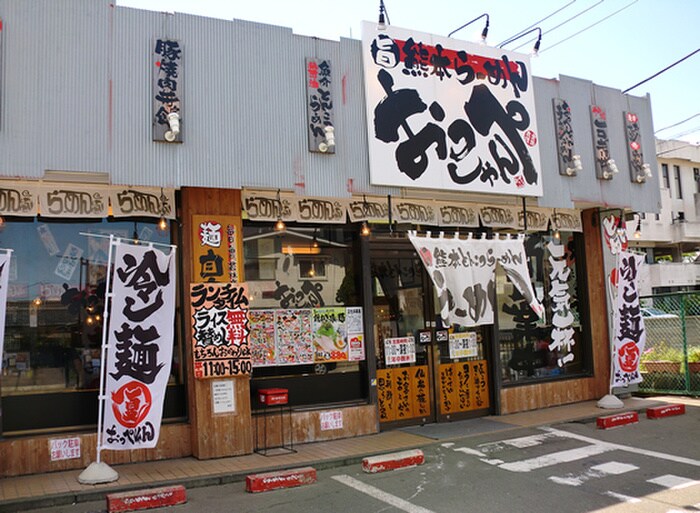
{"points": [[448, 114]]}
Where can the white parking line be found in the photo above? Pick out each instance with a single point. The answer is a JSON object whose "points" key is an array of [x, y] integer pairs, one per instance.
{"points": [[380, 495], [612, 468], [618, 447], [555, 458], [673, 482], [623, 498]]}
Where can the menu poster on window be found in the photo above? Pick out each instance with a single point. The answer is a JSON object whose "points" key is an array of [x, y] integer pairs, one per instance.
{"points": [[48, 240], [353, 319], [294, 341], [463, 345], [399, 350], [220, 330], [69, 262], [329, 334], [356, 346], [262, 337]]}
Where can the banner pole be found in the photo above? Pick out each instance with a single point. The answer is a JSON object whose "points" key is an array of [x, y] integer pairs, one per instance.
{"points": [[99, 472]]}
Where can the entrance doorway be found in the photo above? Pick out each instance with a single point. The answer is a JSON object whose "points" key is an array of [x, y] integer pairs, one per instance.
{"points": [[425, 372]]}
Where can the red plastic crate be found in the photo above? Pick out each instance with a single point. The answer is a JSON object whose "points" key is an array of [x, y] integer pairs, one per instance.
{"points": [[273, 396]]}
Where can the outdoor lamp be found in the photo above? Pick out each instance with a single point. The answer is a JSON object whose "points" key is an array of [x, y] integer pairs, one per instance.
{"points": [[174, 124], [365, 229], [381, 25], [484, 32], [329, 140], [162, 224], [638, 230], [576, 166], [535, 49]]}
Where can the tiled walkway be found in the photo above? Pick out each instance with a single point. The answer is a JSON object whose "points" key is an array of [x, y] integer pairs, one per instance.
{"points": [[26, 492]]}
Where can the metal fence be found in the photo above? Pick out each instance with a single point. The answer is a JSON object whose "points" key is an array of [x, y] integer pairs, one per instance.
{"points": [[670, 363]]}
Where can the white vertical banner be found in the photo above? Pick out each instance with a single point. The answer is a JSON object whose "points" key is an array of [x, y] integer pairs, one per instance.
{"points": [[4, 276], [630, 334], [140, 346]]}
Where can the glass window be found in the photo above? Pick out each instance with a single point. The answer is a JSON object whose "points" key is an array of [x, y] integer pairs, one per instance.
{"points": [[696, 177], [664, 174], [304, 267], [532, 348], [55, 313], [677, 180]]}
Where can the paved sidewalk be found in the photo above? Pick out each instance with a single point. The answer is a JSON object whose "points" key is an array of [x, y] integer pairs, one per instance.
{"points": [[44, 490]]}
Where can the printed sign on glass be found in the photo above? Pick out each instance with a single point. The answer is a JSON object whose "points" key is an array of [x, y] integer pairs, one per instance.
{"points": [[448, 114], [167, 90], [463, 345], [329, 335], [562, 336], [630, 334], [319, 105], [4, 277], [399, 350], [261, 338], [220, 330], [140, 342]]}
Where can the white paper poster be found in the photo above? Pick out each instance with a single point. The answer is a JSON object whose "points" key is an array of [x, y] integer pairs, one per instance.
{"points": [[630, 334], [141, 346], [463, 345], [463, 271], [223, 399], [399, 350]]}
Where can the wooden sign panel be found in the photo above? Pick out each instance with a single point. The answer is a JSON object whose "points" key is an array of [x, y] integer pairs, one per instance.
{"points": [[463, 387], [403, 393]]}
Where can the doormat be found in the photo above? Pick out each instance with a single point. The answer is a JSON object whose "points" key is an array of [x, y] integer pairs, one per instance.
{"points": [[457, 429]]}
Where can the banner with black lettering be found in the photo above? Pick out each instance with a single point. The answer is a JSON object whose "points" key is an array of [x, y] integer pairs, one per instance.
{"points": [[463, 271], [630, 334], [140, 346], [4, 275]]}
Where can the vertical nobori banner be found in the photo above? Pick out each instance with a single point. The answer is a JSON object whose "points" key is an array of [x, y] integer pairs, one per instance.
{"points": [[220, 330], [449, 114], [140, 340], [463, 271], [4, 276], [630, 335]]}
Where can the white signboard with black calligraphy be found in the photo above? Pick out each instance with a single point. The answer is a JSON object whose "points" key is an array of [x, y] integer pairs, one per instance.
{"points": [[630, 333], [562, 339], [17, 199], [499, 216], [419, 212], [370, 209], [68, 200], [448, 114], [537, 218], [269, 206], [142, 201], [567, 219], [464, 215], [140, 343], [463, 271], [321, 210]]}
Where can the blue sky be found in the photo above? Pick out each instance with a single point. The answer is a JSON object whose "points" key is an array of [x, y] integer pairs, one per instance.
{"points": [[641, 39]]}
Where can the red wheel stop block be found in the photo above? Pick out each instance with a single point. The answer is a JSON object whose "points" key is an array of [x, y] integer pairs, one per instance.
{"points": [[393, 461], [619, 419], [668, 410], [146, 499], [280, 479]]}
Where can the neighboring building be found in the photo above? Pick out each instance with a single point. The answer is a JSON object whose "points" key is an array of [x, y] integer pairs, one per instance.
{"points": [[671, 237], [112, 118]]}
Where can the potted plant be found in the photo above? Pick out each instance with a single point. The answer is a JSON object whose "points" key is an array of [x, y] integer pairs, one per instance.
{"points": [[694, 359], [661, 358]]}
